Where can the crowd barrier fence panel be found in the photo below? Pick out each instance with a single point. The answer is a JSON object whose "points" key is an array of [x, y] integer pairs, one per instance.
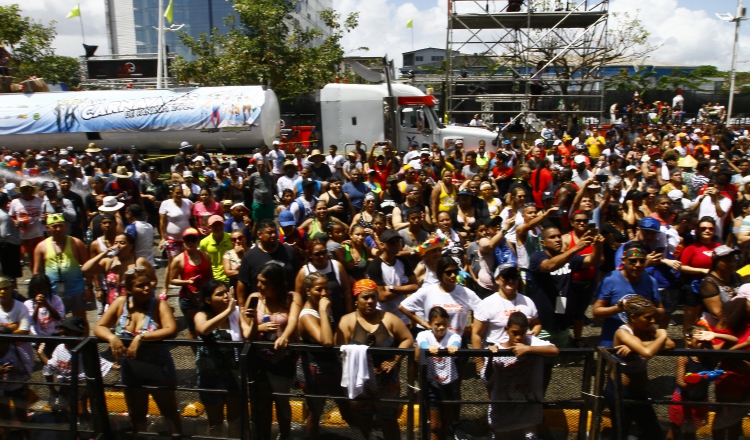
{"points": [[661, 386], [566, 400]]}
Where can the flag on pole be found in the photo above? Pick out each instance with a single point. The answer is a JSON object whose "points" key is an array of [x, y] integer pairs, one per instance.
{"points": [[410, 23], [168, 13], [75, 12]]}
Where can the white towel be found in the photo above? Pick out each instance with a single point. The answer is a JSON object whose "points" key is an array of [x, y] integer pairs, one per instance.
{"points": [[355, 371]]}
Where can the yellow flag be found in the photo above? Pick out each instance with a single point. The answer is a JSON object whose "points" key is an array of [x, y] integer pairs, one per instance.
{"points": [[75, 12], [410, 23], [168, 14]]}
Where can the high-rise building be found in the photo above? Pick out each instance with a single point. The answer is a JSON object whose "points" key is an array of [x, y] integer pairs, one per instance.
{"points": [[131, 24]]}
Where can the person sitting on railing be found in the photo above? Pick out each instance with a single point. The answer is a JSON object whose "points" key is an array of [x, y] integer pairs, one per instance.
{"points": [[375, 328], [322, 371], [142, 317], [271, 315], [517, 378], [441, 371], [636, 342], [735, 387], [218, 367]]}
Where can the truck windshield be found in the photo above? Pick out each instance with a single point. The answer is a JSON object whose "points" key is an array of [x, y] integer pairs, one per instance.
{"points": [[434, 116]]}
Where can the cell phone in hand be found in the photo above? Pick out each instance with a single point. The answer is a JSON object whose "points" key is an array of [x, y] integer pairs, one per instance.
{"points": [[592, 227], [602, 178], [660, 250], [253, 302]]}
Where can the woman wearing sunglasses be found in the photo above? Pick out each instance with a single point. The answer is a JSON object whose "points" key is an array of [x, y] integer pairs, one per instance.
{"points": [[335, 273], [375, 328], [696, 263], [140, 316], [190, 270], [113, 262], [233, 257]]}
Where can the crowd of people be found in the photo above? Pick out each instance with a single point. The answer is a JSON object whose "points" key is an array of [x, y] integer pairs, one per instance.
{"points": [[445, 249]]}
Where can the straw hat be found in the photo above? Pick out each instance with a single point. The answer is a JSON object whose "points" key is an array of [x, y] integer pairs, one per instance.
{"points": [[92, 148], [315, 153], [122, 173]]}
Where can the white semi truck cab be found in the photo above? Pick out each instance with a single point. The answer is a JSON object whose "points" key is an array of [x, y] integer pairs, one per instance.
{"points": [[370, 113]]}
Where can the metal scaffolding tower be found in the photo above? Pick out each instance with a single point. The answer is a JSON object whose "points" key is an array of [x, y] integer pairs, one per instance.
{"points": [[508, 52]]}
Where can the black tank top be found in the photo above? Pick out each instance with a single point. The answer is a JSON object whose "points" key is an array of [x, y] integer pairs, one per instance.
{"points": [[343, 202], [379, 338]]}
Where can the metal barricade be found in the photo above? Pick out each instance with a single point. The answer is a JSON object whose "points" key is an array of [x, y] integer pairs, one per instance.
{"points": [[314, 387], [557, 389], [657, 399], [33, 400], [176, 392]]}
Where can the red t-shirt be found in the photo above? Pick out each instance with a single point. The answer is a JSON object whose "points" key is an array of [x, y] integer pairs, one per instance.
{"points": [[698, 255], [507, 172], [540, 180], [381, 174]]}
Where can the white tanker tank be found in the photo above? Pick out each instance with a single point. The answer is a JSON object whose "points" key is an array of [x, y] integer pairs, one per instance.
{"points": [[235, 118]]}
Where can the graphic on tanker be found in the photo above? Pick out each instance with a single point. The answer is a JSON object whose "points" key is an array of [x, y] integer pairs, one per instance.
{"points": [[131, 111]]}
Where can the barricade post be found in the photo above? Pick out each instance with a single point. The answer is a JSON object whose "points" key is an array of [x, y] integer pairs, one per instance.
{"points": [[95, 388]]}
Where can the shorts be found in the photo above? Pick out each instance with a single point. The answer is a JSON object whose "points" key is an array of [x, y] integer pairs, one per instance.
{"points": [[262, 212], [689, 418], [174, 248], [669, 298], [74, 302], [153, 366], [28, 245], [689, 296], [188, 306], [438, 393], [10, 259]]}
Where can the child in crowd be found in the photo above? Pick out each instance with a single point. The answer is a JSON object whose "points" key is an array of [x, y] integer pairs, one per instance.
{"points": [[517, 378], [636, 342], [60, 363], [287, 197], [46, 310], [441, 371]]}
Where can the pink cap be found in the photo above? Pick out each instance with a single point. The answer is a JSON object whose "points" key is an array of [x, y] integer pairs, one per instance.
{"points": [[215, 218]]}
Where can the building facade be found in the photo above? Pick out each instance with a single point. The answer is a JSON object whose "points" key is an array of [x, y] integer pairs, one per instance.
{"points": [[131, 24]]}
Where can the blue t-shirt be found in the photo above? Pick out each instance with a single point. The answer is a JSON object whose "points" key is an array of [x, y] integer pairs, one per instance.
{"points": [[300, 191], [615, 287], [356, 194], [664, 275]]}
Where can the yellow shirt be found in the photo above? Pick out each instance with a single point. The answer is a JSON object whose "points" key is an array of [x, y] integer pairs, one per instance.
{"points": [[595, 145]]}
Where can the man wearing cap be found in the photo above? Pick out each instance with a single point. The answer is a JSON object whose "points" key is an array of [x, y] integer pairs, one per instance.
{"points": [[350, 165], [14, 317], [276, 157], [61, 257], [393, 274], [215, 245], [380, 164], [303, 206], [26, 213], [411, 201], [124, 188], [619, 285], [581, 172], [413, 152], [153, 192], [715, 199]]}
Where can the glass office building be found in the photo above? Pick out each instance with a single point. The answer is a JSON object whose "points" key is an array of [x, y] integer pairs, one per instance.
{"points": [[131, 24]]}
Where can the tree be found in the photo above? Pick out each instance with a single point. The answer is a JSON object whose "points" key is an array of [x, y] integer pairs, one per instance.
{"points": [[267, 47], [30, 44]]}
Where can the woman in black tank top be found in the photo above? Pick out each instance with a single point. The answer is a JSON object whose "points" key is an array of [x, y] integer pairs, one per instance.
{"points": [[369, 326]]}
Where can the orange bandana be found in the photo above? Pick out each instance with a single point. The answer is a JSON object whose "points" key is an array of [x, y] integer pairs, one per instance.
{"points": [[363, 285]]}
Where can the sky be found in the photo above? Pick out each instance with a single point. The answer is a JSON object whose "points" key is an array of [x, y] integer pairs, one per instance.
{"points": [[686, 31]]}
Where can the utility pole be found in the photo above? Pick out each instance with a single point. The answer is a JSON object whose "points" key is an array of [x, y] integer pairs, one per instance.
{"points": [[737, 19], [160, 43]]}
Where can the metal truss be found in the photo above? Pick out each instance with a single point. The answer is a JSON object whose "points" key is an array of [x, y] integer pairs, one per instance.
{"points": [[498, 51]]}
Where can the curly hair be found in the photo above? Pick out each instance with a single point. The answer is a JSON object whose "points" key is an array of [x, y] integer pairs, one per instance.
{"points": [[734, 315]]}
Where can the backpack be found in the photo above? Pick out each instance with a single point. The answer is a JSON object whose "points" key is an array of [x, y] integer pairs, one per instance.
{"points": [[304, 213]]}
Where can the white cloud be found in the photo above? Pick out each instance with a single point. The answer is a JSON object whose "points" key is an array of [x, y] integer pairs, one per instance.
{"points": [[689, 37]]}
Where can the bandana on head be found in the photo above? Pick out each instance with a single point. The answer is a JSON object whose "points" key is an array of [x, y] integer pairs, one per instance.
{"points": [[635, 253], [363, 285]]}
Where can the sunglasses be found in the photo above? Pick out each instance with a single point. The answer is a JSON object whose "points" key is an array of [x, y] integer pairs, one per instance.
{"points": [[635, 261], [320, 254], [511, 276], [190, 238], [236, 239], [370, 341], [707, 228], [580, 220], [451, 272]]}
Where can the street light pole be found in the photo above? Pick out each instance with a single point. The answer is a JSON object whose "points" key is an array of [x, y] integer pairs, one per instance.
{"points": [[160, 44], [737, 20]]}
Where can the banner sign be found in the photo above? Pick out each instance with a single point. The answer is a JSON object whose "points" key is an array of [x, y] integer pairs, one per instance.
{"points": [[119, 69], [131, 110]]}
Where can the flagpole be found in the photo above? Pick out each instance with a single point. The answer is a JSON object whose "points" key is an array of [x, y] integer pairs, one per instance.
{"points": [[80, 17], [160, 43]]}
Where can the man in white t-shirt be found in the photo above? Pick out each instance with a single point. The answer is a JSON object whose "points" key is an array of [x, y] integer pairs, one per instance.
{"points": [[13, 314], [335, 162], [26, 212], [491, 317], [276, 158], [262, 155]]}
